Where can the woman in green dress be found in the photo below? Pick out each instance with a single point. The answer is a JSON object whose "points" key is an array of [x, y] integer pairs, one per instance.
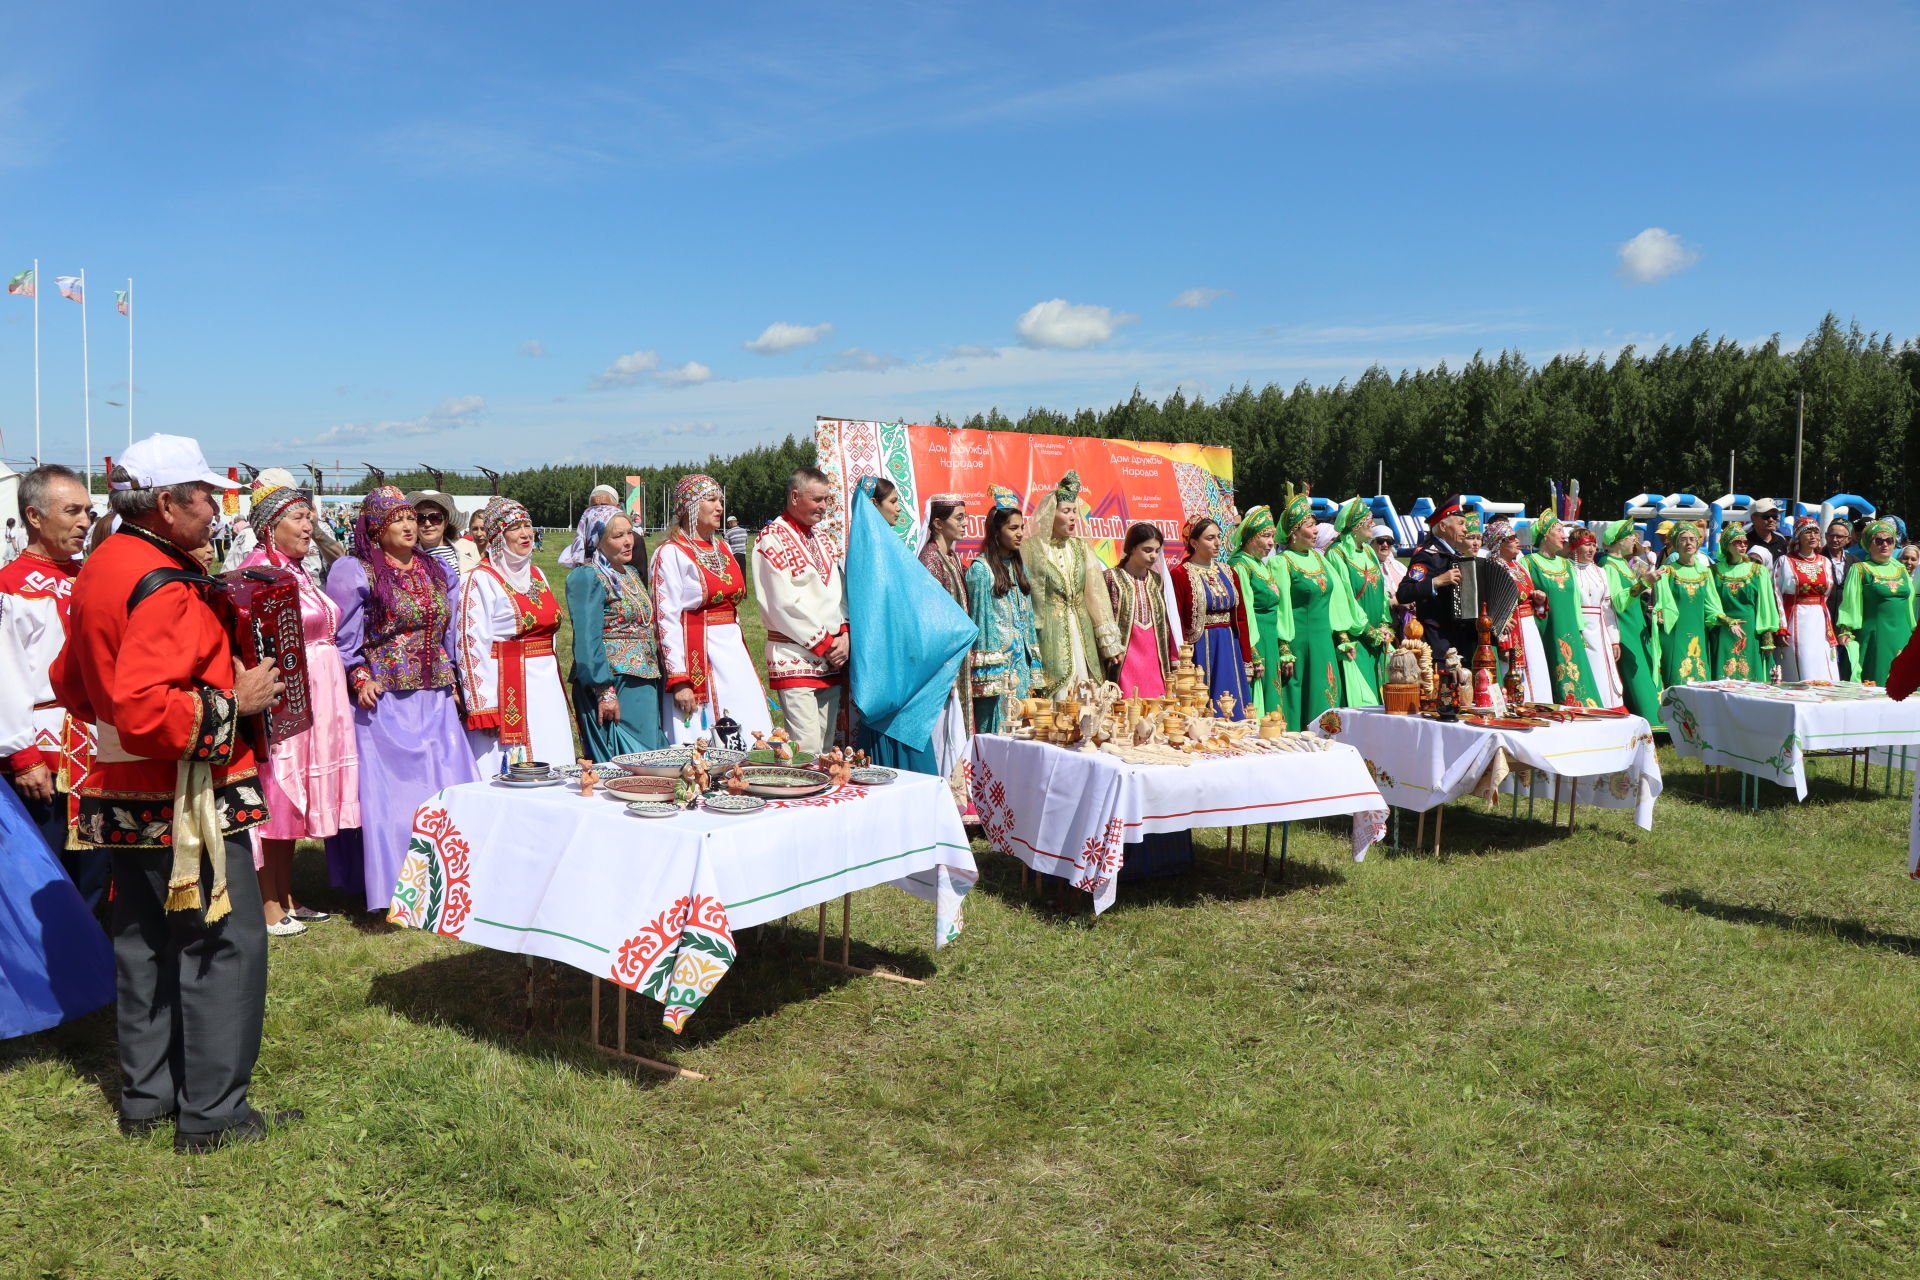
{"points": [[1632, 592], [1254, 544], [1688, 605], [1366, 578], [1876, 605], [1743, 650], [1562, 620], [1316, 622]]}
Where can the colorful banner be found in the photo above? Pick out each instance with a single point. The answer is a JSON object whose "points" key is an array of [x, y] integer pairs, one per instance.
{"points": [[1123, 482]]}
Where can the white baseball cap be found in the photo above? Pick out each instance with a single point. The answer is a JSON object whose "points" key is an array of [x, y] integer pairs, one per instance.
{"points": [[159, 461], [1764, 507]]}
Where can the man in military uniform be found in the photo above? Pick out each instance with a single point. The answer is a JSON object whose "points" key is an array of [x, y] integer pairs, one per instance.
{"points": [[1432, 574]]}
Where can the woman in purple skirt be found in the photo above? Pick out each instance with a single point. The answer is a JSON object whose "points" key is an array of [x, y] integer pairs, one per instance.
{"points": [[394, 613]]}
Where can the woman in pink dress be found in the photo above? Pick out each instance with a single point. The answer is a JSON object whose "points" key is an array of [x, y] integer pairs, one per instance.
{"points": [[311, 780]]}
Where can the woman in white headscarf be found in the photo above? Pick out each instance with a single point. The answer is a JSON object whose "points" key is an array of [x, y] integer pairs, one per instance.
{"points": [[697, 590], [516, 706], [581, 550]]}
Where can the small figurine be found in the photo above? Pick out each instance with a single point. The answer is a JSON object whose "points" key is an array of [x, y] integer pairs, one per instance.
{"points": [[1225, 703], [782, 742], [760, 741], [737, 781], [589, 779]]}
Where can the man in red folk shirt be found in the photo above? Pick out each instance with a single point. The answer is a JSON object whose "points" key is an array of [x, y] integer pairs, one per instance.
{"points": [[172, 793], [47, 773]]}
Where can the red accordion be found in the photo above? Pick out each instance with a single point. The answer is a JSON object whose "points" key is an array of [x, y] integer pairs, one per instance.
{"points": [[261, 607]]}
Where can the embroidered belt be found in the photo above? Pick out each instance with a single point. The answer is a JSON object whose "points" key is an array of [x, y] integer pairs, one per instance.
{"points": [[1818, 598], [46, 706], [1220, 619], [512, 656], [720, 615]]}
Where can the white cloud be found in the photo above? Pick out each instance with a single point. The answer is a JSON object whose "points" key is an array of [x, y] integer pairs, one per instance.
{"points": [[1069, 325], [1195, 298], [857, 359], [533, 347], [450, 414], [967, 351], [1655, 254], [692, 373], [781, 336], [628, 369]]}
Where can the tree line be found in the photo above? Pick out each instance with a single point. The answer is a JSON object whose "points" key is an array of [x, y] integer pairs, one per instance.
{"points": [[1666, 421]]}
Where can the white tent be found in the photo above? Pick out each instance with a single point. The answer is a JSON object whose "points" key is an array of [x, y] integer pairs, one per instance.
{"points": [[9, 495]]}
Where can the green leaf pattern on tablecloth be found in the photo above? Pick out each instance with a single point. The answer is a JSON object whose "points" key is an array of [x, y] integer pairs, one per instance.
{"points": [[678, 957]]}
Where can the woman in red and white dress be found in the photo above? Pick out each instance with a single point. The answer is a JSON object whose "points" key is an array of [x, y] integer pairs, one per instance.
{"points": [[516, 705], [1521, 643], [697, 589], [1805, 578]]}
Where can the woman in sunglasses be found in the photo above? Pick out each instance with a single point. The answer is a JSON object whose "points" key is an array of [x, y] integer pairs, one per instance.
{"points": [[1876, 605]]}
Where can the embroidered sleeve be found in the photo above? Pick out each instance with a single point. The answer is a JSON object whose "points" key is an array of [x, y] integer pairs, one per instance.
{"points": [[216, 729], [155, 690]]}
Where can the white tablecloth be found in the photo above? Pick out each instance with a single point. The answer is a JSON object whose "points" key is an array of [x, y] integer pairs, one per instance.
{"points": [[1767, 734], [1422, 764], [652, 903], [1070, 813]]}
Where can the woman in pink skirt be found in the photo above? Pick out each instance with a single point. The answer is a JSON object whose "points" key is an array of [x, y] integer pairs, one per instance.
{"points": [[311, 780]]}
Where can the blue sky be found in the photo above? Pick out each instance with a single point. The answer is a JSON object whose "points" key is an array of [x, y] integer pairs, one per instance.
{"points": [[475, 233]]}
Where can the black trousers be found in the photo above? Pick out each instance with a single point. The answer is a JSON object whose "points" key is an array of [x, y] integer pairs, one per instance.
{"points": [[193, 996], [1444, 637]]}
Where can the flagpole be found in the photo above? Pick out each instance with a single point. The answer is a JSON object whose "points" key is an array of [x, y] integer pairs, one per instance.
{"points": [[86, 384], [129, 361], [38, 457]]}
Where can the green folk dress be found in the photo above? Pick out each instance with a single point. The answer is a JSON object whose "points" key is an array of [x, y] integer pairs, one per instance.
{"points": [[1562, 631], [1262, 599], [1689, 605], [1315, 604], [1639, 641], [1368, 582], [1877, 611], [1746, 599]]}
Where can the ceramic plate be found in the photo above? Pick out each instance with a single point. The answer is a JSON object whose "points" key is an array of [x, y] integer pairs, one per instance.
{"points": [[652, 809], [629, 789], [873, 777], [783, 782], [734, 804], [537, 782], [665, 762], [572, 771]]}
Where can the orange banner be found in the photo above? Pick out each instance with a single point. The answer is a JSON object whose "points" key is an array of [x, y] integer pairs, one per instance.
{"points": [[1123, 482]]}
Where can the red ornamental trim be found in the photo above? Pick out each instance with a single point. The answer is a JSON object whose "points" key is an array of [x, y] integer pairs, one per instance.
{"points": [[451, 852]]}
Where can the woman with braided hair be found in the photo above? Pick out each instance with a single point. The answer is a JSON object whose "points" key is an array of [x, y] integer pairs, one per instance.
{"points": [[1743, 650], [1688, 605], [1213, 616]]}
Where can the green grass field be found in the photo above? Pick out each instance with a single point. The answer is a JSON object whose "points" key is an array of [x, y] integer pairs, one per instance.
{"points": [[1693, 1052]]}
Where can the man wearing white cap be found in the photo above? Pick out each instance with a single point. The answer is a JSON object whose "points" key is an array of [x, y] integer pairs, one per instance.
{"points": [[173, 791]]}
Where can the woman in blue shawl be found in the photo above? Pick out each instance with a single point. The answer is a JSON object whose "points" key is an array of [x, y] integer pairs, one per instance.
{"points": [[908, 639]]}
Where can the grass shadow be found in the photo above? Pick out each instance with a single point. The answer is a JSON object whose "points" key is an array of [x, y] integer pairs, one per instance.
{"points": [[485, 994], [1850, 931], [1472, 829], [1211, 878], [87, 1046]]}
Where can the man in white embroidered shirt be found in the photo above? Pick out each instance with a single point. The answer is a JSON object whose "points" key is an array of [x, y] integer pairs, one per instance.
{"points": [[802, 592]]}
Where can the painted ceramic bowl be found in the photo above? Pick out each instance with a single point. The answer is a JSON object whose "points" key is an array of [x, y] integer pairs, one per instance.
{"points": [[653, 809], [637, 788], [784, 782], [874, 776], [734, 804], [667, 762]]}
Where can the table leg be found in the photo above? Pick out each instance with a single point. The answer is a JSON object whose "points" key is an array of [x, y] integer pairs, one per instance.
{"points": [[1556, 799], [844, 963], [1266, 849], [1420, 833], [820, 936], [620, 1049], [1439, 821], [1573, 798], [1286, 829]]}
